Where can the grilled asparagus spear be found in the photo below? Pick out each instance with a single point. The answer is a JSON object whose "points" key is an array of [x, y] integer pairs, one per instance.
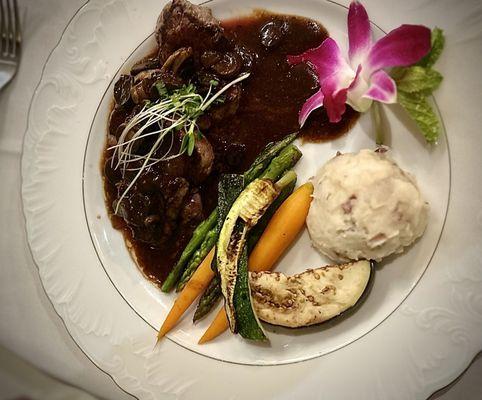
{"points": [[200, 233]]}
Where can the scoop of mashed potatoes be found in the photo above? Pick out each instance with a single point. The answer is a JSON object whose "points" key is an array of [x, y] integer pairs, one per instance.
{"points": [[365, 206]]}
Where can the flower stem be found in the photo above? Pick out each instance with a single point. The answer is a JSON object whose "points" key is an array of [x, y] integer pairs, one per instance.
{"points": [[377, 123]]}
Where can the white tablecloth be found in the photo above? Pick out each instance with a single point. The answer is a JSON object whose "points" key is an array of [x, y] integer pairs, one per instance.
{"points": [[29, 326]]}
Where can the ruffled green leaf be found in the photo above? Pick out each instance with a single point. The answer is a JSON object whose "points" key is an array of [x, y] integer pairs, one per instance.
{"points": [[419, 79], [422, 113], [416, 83], [438, 42]]}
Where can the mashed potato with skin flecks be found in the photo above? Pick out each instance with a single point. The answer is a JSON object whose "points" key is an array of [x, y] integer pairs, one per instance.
{"points": [[365, 206]]}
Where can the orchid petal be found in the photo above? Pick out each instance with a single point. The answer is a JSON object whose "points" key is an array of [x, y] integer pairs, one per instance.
{"points": [[358, 78], [359, 33], [334, 75], [325, 59], [338, 81], [401, 47], [314, 102], [382, 88], [357, 89], [334, 98]]}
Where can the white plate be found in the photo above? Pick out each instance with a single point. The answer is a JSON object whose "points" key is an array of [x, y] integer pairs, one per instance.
{"points": [[111, 310]]}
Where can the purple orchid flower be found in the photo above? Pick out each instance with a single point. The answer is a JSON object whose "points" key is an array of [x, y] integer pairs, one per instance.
{"points": [[362, 79]]}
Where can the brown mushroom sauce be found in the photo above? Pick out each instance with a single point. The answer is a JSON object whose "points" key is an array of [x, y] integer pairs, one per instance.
{"points": [[170, 199]]}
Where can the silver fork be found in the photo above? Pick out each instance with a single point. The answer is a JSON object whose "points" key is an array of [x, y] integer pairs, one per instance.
{"points": [[10, 41]]}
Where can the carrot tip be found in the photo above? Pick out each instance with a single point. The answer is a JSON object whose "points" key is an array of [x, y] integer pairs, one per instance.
{"points": [[162, 332], [204, 339]]}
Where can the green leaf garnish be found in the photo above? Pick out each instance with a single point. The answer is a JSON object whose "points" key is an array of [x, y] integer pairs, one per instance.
{"points": [[438, 42], [419, 79], [416, 83], [417, 106]]}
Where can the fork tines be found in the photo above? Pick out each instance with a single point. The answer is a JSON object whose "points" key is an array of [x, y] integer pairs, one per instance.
{"points": [[9, 29]]}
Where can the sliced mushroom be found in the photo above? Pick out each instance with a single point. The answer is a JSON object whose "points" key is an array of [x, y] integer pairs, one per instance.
{"points": [[147, 74], [144, 81], [229, 65], [175, 191], [176, 59], [272, 33], [122, 90], [210, 57], [204, 156], [138, 93], [170, 70], [117, 117], [248, 56], [192, 210], [171, 81], [146, 63]]}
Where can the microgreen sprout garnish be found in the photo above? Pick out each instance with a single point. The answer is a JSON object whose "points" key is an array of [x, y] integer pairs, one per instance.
{"points": [[175, 111]]}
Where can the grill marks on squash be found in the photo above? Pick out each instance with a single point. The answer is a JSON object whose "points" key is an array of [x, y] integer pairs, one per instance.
{"points": [[311, 297]]}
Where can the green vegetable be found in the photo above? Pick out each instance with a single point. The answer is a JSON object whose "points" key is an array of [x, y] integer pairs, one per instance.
{"points": [[197, 257], [419, 79], [248, 324], [247, 320], [249, 207], [208, 300], [259, 228], [416, 83], [285, 160], [231, 255], [266, 156], [280, 156], [197, 238], [229, 189], [417, 106], [438, 43]]}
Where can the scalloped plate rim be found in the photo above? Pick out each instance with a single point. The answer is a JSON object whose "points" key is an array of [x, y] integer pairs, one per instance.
{"points": [[29, 142]]}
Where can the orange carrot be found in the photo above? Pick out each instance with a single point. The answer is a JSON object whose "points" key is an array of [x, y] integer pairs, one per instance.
{"points": [[281, 231], [218, 326], [194, 287]]}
